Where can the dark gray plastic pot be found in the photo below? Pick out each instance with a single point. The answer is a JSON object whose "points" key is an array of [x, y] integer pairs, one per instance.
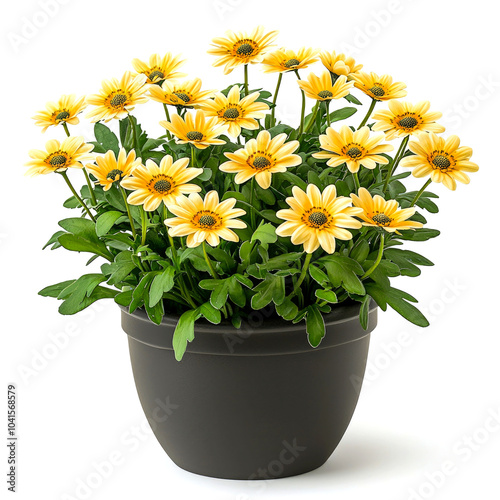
{"points": [[254, 403]]}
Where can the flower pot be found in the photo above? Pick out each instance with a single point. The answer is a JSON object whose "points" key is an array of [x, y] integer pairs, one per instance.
{"points": [[254, 403]]}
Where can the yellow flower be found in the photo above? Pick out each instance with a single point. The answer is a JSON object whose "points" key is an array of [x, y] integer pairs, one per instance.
{"points": [[378, 212], [380, 88], [322, 89], [404, 118], [195, 129], [288, 60], [339, 64], [65, 110], [59, 156], [160, 68], [205, 219], [356, 149], [444, 160], [261, 158], [316, 218], [236, 113], [117, 98], [241, 48], [187, 94], [110, 169], [152, 184]]}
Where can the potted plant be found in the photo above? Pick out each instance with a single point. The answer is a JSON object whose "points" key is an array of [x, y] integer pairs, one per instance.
{"points": [[254, 251]]}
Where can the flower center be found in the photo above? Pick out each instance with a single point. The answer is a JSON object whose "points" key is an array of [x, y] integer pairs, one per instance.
{"points": [[156, 74], [114, 174], [354, 152], [231, 113], [58, 160], [441, 162], [207, 221], [408, 122], [194, 136], [381, 219], [245, 49], [118, 100], [377, 91], [162, 186], [261, 162], [317, 219], [325, 94], [182, 96], [292, 62], [63, 115]]}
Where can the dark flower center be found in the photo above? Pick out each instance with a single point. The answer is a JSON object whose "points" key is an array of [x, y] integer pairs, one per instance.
{"points": [[245, 49], [381, 219], [441, 162], [354, 152], [194, 136], [231, 113], [325, 94], [63, 115], [317, 219], [181, 95], [162, 186], [58, 161], [118, 100], [408, 122], [261, 162], [114, 174], [156, 74], [377, 91], [292, 62], [207, 221]]}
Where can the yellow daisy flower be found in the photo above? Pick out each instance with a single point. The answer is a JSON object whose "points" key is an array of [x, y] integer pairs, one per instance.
{"points": [[160, 68], [261, 158], [118, 97], [356, 149], [196, 129], [378, 212], [322, 89], [152, 184], [339, 64], [444, 160], [404, 118], [288, 60], [65, 110], [241, 48], [204, 219], [58, 157], [110, 169], [187, 94], [380, 88], [316, 218], [236, 113]]}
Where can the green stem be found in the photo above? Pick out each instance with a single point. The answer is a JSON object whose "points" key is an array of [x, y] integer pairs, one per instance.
{"points": [[303, 273], [245, 70], [252, 211], [397, 159], [193, 155], [213, 272], [124, 194], [65, 127], [91, 188], [134, 135], [328, 113], [76, 195], [303, 111], [275, 98], [167, 114], [356, 181], [379, 258], [143, 226], [419, 194], [370, 110], [313, 117]]}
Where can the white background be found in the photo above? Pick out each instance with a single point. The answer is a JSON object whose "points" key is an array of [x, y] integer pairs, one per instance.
{"points": [[422, 397]]}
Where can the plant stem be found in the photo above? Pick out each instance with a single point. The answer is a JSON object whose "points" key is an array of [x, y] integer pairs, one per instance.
{"points": [[65, 127], [397, 159], [143, 226], [193, 155], [419, 194], [252, 211], [356, 181], [245, 70], [313, 117], [167, 114], [328, 113], [370, 110], [379, 258], [275, 98], [91, 188], [76, 195], [134, 135], [124, 194], [303, 111], [213, 272], [303, 273]]}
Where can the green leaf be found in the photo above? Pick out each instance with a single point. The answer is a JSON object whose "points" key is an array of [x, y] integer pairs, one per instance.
{"points": [[55, 290], [407, 261], [184, 332], [236, 293], [155, 312], [342, 114], [315, 325], [287, 309], [210, 313], [162, 283], [54, 241], [124, 298], [73, 305], [106, 138], [106, 221], [80, 244], [271, 289], [363, 312], [318, 275], [327, 295], [360, 251], [342, 271], [265, 233], [422, 234], [219, 295], [152, 144], [141, 291], [84, 285]]}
